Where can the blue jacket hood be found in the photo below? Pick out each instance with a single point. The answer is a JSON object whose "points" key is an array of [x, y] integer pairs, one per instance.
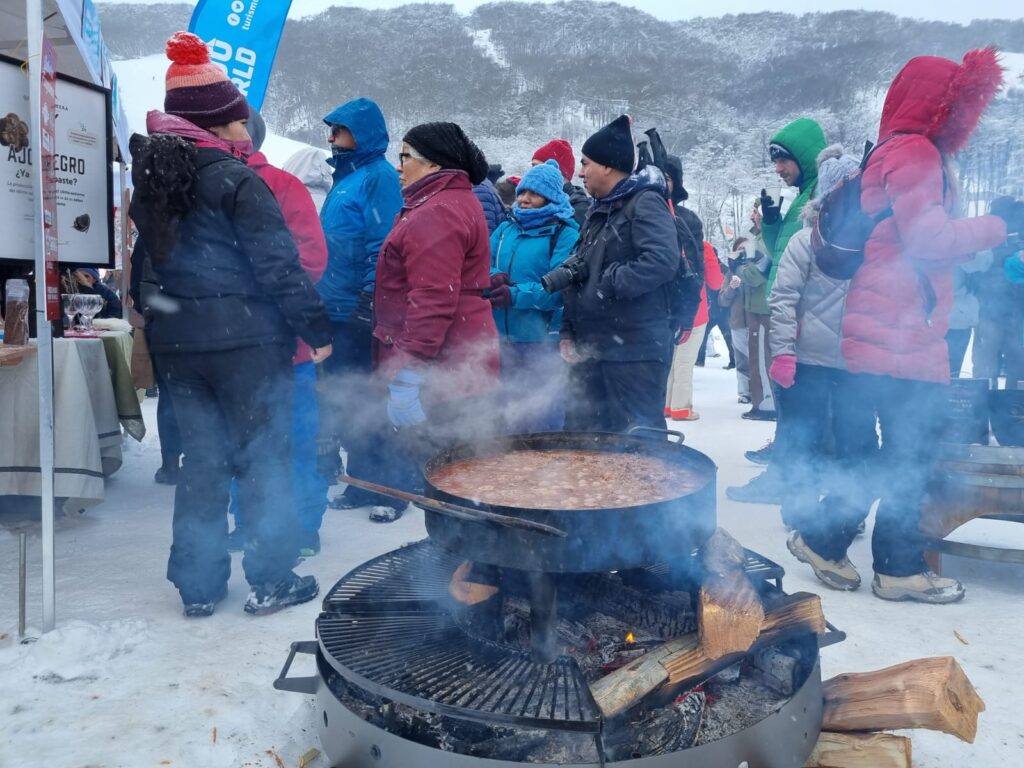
{"points": [[366, 122]]}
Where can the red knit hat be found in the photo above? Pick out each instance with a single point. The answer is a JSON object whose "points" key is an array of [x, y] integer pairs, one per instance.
{"points": [[197, 89], [560, 151]]}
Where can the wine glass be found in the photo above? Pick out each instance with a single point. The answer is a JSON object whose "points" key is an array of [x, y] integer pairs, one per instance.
{"points": [[91, 306], [70, 303]]}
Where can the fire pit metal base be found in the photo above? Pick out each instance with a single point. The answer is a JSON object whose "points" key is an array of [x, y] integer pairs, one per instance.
{"points": [[783, 740]]}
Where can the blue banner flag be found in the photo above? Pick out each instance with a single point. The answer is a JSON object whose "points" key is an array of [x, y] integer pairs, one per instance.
{"points": [[242, 36]]}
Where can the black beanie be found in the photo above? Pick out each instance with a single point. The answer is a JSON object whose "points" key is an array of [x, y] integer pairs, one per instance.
{"points": [[613, 145], [447, 145]]}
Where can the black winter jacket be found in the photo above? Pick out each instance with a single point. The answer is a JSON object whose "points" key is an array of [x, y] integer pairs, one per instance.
{"points": [[579, 201], [233, 280], [621, 312]]}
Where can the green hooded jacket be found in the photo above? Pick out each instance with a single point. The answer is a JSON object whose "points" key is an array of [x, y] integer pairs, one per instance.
{"points": [[805, 140]]}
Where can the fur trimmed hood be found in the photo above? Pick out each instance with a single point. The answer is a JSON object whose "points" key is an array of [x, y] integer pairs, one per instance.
{"points": [[940, 99]]}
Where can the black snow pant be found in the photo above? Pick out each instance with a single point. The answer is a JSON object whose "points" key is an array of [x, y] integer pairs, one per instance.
{"points": [[999, 343], [606, 396], [717, 316], [350, 405], [234, 411], [910, 416], [824, 434]]}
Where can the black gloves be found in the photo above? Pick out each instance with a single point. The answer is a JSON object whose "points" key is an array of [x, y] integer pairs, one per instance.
{"points": [[771, 211], [363, 313]]}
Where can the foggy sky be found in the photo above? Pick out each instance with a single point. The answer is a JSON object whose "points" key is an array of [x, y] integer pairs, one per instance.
{"points": [[936, 10]]}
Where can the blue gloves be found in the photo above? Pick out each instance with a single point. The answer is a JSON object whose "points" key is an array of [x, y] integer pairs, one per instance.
{"points": [[404, 406]]}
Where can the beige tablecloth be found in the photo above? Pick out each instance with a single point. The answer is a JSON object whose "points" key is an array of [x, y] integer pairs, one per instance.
{"points": [[87, 433]]}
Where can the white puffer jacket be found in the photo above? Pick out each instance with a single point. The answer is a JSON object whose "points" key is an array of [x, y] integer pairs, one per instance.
{"points": [[807, 307]]}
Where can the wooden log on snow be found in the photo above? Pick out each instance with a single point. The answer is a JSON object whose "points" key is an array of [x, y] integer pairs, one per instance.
{"points": [[683, 659], [860, 750], [931, 693], [729, 610]]}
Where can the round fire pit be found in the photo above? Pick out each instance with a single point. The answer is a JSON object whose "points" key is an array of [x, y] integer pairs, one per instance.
{"points": [[407, 677]]}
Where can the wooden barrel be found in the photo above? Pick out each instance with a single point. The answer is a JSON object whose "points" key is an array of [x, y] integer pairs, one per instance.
{"points": [[972, 481]]}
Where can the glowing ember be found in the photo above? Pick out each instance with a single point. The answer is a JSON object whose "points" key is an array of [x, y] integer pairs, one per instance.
{"points": [[630, 638]]}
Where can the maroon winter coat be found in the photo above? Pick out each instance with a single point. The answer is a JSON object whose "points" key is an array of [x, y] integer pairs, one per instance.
{"points": [[932, 108], [429, 309]]}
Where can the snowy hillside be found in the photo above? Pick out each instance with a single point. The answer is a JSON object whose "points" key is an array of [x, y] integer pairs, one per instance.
{"points": [[142, 85]]}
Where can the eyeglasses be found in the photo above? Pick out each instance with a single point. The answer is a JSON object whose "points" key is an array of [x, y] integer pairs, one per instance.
{"points": [[403, 156], [335, 130]]}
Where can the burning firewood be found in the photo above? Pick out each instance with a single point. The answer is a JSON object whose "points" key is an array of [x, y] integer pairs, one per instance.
{"points": [[729, 610], [683, 659], [925, 693], [469, 592], [860, 750]]}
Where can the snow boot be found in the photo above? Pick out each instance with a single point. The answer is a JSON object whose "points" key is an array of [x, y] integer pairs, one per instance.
{"points": [[169, 469], [756, 414], [292, 590], [385, 514], [761, 456], [201, 610], [763, 489], [837, 574], [924, 587], [343, 501]]}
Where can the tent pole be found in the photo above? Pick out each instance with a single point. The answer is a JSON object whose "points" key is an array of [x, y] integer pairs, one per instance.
{"points": [[34, 29]]}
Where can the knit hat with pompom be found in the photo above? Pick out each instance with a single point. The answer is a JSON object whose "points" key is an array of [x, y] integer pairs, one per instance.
{"points": [[197, 89]]}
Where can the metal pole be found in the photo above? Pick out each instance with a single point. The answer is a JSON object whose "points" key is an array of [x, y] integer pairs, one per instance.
{"points": [[22, 552], [34, 31]]}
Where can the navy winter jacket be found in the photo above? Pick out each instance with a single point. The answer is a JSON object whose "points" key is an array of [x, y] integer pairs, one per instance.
{"points": [[233, 278], [526, 255], [621, 313], [359, 210], [494, 211]]}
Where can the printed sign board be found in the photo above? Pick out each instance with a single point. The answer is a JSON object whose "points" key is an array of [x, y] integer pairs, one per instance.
{"points": [[82, 159]]}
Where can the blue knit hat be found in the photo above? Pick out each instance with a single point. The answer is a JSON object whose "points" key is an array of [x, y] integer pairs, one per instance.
{"points": [[546, 180]]}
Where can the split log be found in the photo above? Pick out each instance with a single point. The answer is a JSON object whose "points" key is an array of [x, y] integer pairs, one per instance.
{"points": [[683, 660], [860, 750], [799, 613], [929, 693], [729, 610]]}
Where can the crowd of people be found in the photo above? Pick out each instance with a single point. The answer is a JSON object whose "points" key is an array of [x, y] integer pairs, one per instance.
{"points": [[433, 299]]}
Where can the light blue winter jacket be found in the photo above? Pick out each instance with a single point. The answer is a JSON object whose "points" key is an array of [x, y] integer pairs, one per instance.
{"points": [[526, 256], [359, 210]]}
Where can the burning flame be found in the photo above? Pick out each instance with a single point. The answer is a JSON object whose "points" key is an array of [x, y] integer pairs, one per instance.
{"points": [[630, 639]]}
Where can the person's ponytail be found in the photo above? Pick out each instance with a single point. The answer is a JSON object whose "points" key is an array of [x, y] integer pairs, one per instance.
{"points": [[164, 173]]}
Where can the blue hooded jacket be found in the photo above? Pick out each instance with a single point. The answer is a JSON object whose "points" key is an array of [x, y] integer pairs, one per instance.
{"points": [[359, 210], [526, 255]]}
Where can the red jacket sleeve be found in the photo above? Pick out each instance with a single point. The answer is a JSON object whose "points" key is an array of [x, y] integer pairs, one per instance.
{"points": [[712, 268], [913, 181], [303, 222]]}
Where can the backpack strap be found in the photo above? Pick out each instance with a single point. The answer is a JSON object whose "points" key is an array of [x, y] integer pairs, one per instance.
{"points": [[554, 239]]}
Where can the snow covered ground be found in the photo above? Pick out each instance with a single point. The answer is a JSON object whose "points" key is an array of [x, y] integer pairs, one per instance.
{"points": [[126, 681]]}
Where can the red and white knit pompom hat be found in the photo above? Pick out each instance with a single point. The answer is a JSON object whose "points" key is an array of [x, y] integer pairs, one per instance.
{"points": [[197, 89]]}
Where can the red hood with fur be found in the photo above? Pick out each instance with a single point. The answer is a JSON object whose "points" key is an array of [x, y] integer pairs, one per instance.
{"points": [[940, 99], [892, 325]]}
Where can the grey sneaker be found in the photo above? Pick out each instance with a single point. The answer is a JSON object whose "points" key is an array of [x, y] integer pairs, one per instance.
{"points": [[924, 587], [837, 574], [763, 489]]}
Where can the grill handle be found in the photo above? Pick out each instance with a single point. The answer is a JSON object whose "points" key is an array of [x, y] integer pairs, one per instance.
{"points": [[655, 430], [297, 684]]}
